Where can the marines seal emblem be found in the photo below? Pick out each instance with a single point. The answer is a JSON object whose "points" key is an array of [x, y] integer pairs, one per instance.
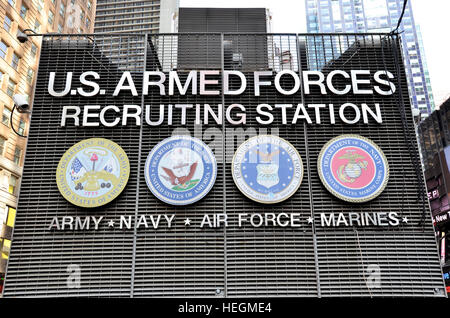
{"points": [[180, 170], [267, 169], [353, 168], [92, 172]]}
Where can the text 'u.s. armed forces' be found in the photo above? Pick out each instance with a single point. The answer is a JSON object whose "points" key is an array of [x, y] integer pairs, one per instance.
{"points": [[209, 83]]}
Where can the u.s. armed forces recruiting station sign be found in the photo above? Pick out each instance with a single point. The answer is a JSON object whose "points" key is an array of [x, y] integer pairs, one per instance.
{"points": [[211, 183], [181, 170], [203, 83]]}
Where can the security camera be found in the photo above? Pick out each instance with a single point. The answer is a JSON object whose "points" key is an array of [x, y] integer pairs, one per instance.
{"points": [[22, 37], [21, 103]]}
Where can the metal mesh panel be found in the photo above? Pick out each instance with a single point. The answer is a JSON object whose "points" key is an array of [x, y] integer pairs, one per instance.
{"points": [[39, 266], [402, 254], [232, 261]]}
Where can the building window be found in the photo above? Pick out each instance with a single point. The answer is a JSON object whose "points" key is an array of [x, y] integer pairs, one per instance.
{"points": [[6, 116], [2, 145], [5, 248], [40, 5], [12, 3], [15, 61], [3, 49], [23, 11], [33, 50], [11, 88], [62, 10], [17, 155], [30, 75], [10, 220], [51, 16], [7, 23], [60, 28], [21, 129], [12, 184], [88, 22], [37, 26]]}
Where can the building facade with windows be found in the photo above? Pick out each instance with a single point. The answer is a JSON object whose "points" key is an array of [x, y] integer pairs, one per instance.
{"points": [[18, 68], [118, 16], [434, 138], [360, 16], [115, 17]]}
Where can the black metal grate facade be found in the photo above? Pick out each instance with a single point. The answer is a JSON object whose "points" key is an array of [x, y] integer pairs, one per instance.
{"points": [[230, 261]]}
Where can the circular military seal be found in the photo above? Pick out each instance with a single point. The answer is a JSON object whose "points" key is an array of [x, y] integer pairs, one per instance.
{"points": [[267, 169], [93, 172], [353, 168], [180, 170]]}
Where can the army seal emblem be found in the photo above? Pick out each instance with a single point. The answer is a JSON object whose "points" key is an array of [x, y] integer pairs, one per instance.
{"points": [[92, 172], [180, 170], [353, 168], [267, 169]]}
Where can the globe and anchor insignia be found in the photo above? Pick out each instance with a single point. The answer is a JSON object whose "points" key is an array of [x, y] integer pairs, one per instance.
{"points": [[353, 169]]}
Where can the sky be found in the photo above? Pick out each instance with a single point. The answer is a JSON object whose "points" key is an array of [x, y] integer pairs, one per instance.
{"points": [[288, 16]]}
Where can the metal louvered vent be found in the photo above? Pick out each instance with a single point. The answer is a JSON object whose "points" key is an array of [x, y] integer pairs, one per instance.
{"points": [[232, 261]]}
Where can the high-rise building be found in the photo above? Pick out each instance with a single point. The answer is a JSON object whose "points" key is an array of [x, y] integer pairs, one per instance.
{"points": [[114, 17], [122, 16], [18, 67], [360, 16]]}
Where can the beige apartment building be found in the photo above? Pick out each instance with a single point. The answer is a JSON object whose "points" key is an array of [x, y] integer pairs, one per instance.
{"points": [[18, 67]]}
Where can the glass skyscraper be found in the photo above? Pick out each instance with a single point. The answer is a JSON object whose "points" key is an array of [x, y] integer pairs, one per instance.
{"points": [[360, 16]]}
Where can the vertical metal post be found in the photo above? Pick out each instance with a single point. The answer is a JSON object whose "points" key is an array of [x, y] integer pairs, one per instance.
{"points": [[420, 174], [407, 132], [136, 210], [308, 171], [224, 166]]}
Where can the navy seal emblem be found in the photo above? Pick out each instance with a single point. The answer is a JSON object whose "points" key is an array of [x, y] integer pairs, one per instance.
{"points": [[180, 170]]}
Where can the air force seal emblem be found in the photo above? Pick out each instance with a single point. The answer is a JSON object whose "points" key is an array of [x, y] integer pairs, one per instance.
{"points": [[267, 169], [180, 170], [353, 168], [93, 172]]}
